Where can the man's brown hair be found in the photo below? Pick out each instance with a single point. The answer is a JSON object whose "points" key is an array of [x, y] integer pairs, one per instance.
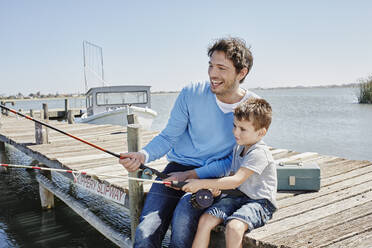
{"points": [[236, 50], [256, 110]]}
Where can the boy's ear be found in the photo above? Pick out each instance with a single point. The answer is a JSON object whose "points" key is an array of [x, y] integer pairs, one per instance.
{"points": [[262, 132]]}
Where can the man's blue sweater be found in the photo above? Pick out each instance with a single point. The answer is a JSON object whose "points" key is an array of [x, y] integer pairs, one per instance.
{"points": [[198, 133]]}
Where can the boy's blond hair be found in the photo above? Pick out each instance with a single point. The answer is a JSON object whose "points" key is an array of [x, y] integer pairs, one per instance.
{"points": [[256, 110]]}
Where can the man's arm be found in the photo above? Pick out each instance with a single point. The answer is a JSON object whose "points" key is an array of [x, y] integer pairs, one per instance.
{"points": [[230, 182], [162, 143], [216, 168]]}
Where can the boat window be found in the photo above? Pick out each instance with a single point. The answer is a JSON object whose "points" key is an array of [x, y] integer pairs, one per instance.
{"points": [[89, 101], [108, 98]]}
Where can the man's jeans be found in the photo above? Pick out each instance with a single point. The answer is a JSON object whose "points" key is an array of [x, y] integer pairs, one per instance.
{"points": [[163, 206]]}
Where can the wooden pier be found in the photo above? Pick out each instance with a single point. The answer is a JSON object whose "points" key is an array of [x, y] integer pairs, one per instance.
{"points": [[339, 215]]}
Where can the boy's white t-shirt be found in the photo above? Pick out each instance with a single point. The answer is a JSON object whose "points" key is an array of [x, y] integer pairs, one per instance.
{"points": [[262, 184]]}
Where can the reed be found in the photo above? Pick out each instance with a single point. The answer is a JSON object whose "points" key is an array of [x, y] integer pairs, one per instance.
{"points": [[365, 90]]}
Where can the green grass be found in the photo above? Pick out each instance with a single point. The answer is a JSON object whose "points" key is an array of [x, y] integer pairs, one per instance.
{"points": [[365, 92]]}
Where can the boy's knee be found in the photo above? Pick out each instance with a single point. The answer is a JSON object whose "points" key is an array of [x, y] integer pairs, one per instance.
{"points": [[236, 226], [207, 220]]}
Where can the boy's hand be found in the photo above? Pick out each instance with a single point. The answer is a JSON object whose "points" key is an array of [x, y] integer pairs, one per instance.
{"points": [[215, 192], [192, 186], [131, 161]]}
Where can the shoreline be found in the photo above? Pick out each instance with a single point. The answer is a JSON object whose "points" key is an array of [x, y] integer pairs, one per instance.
{"points": [[175, 92]]}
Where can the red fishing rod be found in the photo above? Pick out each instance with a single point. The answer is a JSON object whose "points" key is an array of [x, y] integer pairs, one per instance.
{"points": [[142, 166]]}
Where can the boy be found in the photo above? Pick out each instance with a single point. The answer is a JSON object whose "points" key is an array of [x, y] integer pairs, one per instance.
{"points": [[253, 172]]}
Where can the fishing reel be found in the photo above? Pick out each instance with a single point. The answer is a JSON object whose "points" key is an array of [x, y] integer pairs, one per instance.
{"points": [[147, 174], [202, 199]]}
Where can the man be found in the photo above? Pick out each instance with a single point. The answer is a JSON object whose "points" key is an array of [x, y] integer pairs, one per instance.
{"points": [[198, 142]]}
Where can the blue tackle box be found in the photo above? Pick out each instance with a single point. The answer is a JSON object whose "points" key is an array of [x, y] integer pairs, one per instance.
{"points": [[298, 176]]}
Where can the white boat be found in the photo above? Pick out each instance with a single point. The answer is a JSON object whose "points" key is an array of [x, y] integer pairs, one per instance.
{"points": [[112, 104]]}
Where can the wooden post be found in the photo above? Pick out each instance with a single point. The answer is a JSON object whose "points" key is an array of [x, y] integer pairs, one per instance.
{"points": [[132, 119], [136, 198], [70, 117], [2, 146], [45, 111], [46, 197], [66, 109], [46, 119], [41, 132]]}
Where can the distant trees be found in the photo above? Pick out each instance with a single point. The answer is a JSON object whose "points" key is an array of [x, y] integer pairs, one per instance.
{"points": [[365, 90], [36, 95]]}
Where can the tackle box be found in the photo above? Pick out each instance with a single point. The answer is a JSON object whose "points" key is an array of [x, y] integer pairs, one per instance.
{"points": [[298, 176]]}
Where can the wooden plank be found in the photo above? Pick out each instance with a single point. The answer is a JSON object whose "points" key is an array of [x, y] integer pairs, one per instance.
{"points": [[361, 240], [339, 168], [309, 216], [298, 157], [324, 182], [308, 202], [321, 231]]}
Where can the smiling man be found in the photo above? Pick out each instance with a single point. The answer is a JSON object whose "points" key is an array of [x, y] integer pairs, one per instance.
{"points": [[198, 142]]}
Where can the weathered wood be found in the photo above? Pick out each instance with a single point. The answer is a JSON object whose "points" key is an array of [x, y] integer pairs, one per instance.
{"points": [[2, 146], [40, 134], [46, 197], [309, 216], [116, 237], [132, 119], [70, 117], [67, 108], [45, 111], [312, 234], [136, 197]]}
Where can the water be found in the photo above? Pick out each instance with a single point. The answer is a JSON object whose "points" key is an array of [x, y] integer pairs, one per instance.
{"points": [[24, 224], [327, 121]]}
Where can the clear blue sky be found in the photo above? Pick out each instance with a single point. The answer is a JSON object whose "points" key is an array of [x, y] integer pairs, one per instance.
{"points": [[163, 43]]}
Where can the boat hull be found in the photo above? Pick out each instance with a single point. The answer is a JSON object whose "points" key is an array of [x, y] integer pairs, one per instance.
{"points": [[145, 117]]}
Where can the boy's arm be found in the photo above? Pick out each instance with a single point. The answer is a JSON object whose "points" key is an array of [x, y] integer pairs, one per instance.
{"points": [[230, 182]]}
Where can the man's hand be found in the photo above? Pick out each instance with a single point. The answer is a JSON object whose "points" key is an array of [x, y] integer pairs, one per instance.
{"points": [[181, 176], [131, 161]]}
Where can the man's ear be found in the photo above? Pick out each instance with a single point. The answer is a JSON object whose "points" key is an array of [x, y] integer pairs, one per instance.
{"points": [[243, 72]]}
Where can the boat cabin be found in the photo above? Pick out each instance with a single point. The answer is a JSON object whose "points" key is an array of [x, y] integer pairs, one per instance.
{"points": [[103, 99]]}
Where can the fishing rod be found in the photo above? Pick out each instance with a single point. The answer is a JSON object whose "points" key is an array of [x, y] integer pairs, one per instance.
{"points": [[201, 199], [142, 166]]}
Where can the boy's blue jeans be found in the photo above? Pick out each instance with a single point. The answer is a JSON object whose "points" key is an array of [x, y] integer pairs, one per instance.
{"points": [[164, 206]]}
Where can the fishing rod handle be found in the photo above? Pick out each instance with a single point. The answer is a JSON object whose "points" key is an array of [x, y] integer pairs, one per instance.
{"points": [[232, 192], [156, 172], [178, 184]]}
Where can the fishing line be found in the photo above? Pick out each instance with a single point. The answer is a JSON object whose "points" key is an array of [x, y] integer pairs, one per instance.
{"points": [[201, 199], [142, 166]]}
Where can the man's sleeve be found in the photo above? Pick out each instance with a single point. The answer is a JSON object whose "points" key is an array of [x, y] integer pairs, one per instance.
{"points": [[177, 125], [216, 168]]}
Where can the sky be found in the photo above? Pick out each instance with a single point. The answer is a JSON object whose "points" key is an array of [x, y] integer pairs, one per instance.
{"points": [[164, 43]]}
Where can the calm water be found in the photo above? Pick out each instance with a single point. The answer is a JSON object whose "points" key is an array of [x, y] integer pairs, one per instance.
{"points": [[327, 121]]}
